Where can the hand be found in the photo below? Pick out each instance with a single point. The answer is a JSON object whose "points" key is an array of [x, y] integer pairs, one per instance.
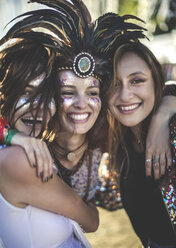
{"points": [[158, 154], [37, 153]]}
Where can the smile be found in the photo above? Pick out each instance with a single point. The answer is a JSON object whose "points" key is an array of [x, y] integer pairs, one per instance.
{"points": [[129, 108], [29, 121], [78, 117]]}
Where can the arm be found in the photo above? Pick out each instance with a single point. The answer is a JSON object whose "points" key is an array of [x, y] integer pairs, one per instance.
{"points": [[20, 186], [36, 150], [37, 153], [157, 143]]}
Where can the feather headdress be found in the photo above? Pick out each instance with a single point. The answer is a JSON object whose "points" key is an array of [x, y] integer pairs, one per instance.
{"points": [[81, 45]]}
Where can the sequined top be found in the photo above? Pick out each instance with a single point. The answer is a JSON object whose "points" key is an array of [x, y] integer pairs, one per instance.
{"points": [[79, 180], [169, 193]]}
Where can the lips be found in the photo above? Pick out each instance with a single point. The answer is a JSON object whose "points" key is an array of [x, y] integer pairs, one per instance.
{"points": [[126, 109], [79, 117], [29, 121]]}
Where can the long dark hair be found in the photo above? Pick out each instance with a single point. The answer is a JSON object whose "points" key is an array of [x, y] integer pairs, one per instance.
{"points": [[20, 64]]}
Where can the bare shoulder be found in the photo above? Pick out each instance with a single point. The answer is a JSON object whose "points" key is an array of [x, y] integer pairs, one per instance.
{"points": [[13, 161]]}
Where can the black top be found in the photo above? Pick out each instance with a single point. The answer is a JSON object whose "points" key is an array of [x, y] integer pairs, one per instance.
{"points": [[143, 203]]}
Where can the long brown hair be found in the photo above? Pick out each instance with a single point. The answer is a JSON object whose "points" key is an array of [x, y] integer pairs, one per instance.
{"points": [[117, 131]]}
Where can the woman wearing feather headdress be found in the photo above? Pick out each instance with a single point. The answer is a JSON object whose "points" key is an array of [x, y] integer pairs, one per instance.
{"points": [[83, 69]]}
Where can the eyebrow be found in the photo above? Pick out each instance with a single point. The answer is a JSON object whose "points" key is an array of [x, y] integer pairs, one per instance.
{"points": [[94, 86], [73, 86], [137, 72], [67, 85]]}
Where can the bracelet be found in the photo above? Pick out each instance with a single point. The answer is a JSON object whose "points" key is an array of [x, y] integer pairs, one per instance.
{"points": [[9, 136], [3, 129]]}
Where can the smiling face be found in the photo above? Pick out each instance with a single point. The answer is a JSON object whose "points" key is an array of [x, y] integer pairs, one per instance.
{"points": [[80, 102], [24, 120], [134, 97]]}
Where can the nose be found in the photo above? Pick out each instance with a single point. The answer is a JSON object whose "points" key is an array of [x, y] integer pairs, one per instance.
{"points": [[81, 102], [125, 93]]}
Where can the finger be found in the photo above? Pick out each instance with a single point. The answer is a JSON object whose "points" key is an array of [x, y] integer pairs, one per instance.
{"points": [[44, 160], [156, 167], [30, 155], [148, 165], [163, 164], [39, 162], [169, 159], [49, 159]]}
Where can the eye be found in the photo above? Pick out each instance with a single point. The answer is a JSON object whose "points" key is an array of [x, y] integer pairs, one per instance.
{"points": [[93, 93], [137, 80], [67, 93]]}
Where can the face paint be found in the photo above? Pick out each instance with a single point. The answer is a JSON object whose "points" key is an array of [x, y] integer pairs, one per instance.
{"points": [[94, 101], [37, 81], [94, 83], [67, 101], [52, 105], [22, 102]]}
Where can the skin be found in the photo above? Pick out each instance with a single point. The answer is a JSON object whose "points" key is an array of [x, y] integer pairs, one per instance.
{"points": [[20, 186], [80, 107], [134, 97], [25, 123], [157, 145], [81, 103]]}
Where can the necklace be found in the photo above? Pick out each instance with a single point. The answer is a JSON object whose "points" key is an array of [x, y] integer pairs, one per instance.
{"points": [[71, 155]]}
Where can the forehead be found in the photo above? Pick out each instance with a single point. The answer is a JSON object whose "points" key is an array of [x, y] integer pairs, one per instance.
{"points": [[131, 62], [68, 78]]}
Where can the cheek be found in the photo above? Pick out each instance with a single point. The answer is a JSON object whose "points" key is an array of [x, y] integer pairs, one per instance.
{"points": [[95, 103], [52, 107], [67, 101], [23, 105], [112, 100]]}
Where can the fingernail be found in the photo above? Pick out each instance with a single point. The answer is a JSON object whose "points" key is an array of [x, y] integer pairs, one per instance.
{"points": [[45, 179], [41, 174], [51, 176], [34, 165]]}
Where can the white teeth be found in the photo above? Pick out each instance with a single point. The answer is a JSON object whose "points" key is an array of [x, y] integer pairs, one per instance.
{"points": [[78, 117], [126, 108], [31, 118]]}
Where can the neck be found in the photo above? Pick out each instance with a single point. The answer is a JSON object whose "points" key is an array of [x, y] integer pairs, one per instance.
{"points": [[138, 139], [69, 150], [70, 142]]}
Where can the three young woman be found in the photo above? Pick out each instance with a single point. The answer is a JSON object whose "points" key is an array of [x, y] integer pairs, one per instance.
{"points": [[79, 115]]}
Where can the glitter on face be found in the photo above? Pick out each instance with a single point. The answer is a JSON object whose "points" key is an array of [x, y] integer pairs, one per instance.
{"points": [[67, 101], [22, 104], [94, 83], [94, 101], [52, 105], [37, 81]]}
